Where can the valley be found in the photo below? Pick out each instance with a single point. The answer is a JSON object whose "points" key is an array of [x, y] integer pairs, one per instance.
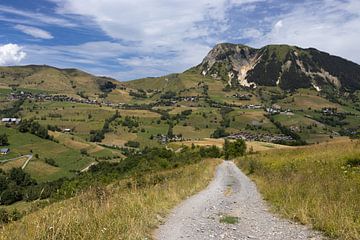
{"points": [[110, 141]]}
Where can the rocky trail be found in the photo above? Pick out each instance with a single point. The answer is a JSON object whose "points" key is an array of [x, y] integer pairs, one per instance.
{"points": [[229, 208]]}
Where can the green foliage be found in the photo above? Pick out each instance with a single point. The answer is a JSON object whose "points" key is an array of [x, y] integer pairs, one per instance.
{"points": [[138, 94], [219, 133], [168, 95], [6, 216], [13, 110], [4, 140], [130, 122], [229, 219], [210, 152], [34, 128], [353, 162], [13, 185], [99, 135], [107, 86], [132, 144], [51, 162], [234, 149], [288, 132]]}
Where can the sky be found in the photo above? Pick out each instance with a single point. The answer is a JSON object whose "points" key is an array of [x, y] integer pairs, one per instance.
{"points": [[141, 38]]}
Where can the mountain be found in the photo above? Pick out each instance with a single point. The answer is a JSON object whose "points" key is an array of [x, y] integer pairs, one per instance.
{"points": [[55, 80], [287, 67]]}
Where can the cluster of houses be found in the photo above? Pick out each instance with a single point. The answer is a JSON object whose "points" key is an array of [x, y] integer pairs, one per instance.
{"points": [[164, 139], [252, 106], [189, 99], [276, 109], [59, 98], [329, 111], [245, 97], [261, 137]]}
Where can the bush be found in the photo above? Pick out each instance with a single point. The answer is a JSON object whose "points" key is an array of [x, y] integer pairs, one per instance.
{"points": [[34, 128], [51, 162], [83, 151], [211, 152], [4, 140], [132, 144], [219, 133], [234, 149], [353, 162]]}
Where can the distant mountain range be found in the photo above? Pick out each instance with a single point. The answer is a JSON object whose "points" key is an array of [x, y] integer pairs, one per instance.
{"points": [[287, 67], [234, 65]]}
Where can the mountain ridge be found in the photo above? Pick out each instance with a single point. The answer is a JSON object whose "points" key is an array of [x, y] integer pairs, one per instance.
{"points": [[289, 67]]}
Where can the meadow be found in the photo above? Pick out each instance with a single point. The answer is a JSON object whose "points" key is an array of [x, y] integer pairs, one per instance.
{"points": [[126, 209], [317, 185]]}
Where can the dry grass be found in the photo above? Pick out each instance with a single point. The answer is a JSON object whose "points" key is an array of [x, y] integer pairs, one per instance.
{"points": [[13, 164], [116, 212], [254, 145], [313, 184]]}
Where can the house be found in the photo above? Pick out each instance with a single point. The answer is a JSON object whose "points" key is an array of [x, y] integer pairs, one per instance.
{"points": [[11, 120], [4, 151], [66, 130]]}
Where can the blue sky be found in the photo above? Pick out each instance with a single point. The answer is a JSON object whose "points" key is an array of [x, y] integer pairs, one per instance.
{"points": [[139, 38]]}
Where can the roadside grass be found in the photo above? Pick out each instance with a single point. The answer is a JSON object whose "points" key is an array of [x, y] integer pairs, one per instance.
{"points": [[314, 185], [129, 209], [227, 219]]}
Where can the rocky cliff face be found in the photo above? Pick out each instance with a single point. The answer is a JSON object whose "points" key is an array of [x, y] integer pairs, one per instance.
{"points": [[284, 66]]}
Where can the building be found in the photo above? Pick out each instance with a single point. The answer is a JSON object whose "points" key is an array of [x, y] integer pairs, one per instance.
{"points": [[4, 151], [11, 120], [66, 130]]}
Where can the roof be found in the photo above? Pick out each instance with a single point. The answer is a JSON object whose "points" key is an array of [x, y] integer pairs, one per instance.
{"points": [[11, 119], [4, 150]]}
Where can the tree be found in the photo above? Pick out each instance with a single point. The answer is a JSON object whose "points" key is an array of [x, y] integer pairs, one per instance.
{"points": [[20, 177], [219, 133], [234, 149], [4, 140]]}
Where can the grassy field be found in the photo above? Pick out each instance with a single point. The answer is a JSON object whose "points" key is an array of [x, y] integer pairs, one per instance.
{"points": [[16, 163], [251, 146], [117, 211], [317, 185], [66, 153]]}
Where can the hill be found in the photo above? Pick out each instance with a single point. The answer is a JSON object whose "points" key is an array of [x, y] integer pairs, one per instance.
{"points": [[54, 80], [283, 66]]}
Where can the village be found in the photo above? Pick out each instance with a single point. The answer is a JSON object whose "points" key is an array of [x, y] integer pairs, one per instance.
{"points": [[260, 137]]}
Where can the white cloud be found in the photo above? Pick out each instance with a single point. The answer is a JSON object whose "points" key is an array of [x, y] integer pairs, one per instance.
{"points": [[11, 54], [332, 26], [34, 17], [278, 25], [175, 34], [251, 33], [35, 32]]}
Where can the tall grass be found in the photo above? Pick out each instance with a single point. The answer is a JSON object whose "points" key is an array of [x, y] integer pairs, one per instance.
{"points": [[129, 209], [317, 185]]}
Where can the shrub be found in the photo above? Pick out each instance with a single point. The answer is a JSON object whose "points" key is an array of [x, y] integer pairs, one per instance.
{"points": [[234, 149], [353, 162], [51, 162], [219, 133], [132, 144], [4, 140]]}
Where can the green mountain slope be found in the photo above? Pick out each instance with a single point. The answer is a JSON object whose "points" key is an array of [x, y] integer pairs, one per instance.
{"points": [[287, 67], [55, 80]]}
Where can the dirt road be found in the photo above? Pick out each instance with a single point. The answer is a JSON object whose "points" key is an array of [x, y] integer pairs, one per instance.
{"points": [[229, 208]]}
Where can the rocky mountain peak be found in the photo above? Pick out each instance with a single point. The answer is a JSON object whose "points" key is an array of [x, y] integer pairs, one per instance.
{"points": [[287, 67]]}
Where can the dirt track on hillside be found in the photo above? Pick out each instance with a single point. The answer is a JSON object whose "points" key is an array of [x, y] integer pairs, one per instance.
{"points": [[231, 193]]}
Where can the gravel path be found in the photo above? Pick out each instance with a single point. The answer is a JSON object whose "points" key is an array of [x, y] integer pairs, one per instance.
{"points": [[231, 193]]}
